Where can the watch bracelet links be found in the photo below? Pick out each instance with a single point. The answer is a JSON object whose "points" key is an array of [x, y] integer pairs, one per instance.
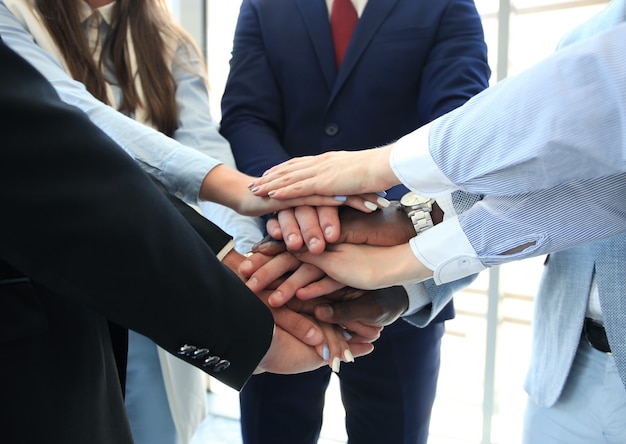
{"points": [[422, 220]]}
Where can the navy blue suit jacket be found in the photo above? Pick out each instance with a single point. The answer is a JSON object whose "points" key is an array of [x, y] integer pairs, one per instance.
{"points": [[408, 63]]}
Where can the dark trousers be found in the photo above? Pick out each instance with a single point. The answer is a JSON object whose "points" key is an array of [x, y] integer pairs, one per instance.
{"points": [[388, 394]]}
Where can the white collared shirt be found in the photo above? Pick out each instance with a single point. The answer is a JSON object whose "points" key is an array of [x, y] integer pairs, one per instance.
{"points": [[359, 5]]}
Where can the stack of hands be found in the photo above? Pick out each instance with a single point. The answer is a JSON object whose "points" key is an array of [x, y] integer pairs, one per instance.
{"points": [[301, 271]]}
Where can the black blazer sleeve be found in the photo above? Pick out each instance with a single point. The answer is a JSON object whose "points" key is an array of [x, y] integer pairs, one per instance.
{"points": [[213, 235], [81, 220]]}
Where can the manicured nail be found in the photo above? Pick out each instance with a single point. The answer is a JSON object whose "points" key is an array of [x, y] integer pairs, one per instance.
{"points": [[336, 364], [382, 202], [310, 333], [270, 194], [346, 335], [347, 356], [251, 184], [341, 198], [382, 193], [325, 353], [255, 189], [370, 205]]}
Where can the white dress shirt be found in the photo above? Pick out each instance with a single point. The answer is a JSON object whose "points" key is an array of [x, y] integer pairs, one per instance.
{"points": [[359, 5]]}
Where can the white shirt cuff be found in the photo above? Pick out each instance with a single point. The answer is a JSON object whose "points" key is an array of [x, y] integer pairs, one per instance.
{"points": [[225, 250], [412, 164], [446, 251]]}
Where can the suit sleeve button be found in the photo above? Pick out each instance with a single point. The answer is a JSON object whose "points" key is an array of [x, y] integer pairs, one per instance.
{"points": [[222, 365], [331, 129]]}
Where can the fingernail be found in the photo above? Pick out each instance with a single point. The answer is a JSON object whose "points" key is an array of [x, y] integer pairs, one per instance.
{"points": [[251, 184], [325, 310], [382, 193], [328, 232], [255, 189], [383, 202], [313, 242], [341, 198], [271, 193], [346, 335], [336, 364], [276, 298], [252, 283], [310, 333], [348, 357], [293, 237], [325, 353], [370, 205]]}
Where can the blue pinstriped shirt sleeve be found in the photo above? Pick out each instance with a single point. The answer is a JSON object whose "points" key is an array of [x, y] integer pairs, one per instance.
{"points": [[546, 147], [564, 119]]}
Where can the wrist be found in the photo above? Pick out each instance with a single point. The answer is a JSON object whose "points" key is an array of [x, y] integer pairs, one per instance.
{"points": [[233, 260]]}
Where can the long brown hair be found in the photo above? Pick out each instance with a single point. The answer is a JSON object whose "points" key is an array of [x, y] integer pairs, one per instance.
{"points": [[150, 21]]}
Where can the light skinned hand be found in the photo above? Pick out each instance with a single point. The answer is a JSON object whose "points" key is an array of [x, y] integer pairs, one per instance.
{"points": [[387, 227], [302, 327], [268, 272], [229, 187], [364, 266], [331, 346], [306, 225], [288, 355], [331, 173]]}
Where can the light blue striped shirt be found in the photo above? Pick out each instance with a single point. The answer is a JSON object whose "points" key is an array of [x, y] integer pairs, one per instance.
{"points": [[548, 150], [181, 168]]}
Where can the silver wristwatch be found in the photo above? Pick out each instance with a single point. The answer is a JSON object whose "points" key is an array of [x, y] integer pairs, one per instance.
{"points": [[418, 209]]}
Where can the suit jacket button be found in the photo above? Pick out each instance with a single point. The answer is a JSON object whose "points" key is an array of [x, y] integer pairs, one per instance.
{"points": [[211, 361], [187, 350], [222, 365], [331, 129], [200, 353]]}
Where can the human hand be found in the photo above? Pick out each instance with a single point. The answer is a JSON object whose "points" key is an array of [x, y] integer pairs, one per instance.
{"points": [[374, 308], [362, 266], [357, 330], [305, 225], [229, 187], [316, 226], [389, 226], [302, 327], [287, 355], [329, 340], [331, 173], [269, 271]]}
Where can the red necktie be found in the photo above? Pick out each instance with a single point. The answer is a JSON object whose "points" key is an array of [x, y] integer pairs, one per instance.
{"points": [[343, 20]]}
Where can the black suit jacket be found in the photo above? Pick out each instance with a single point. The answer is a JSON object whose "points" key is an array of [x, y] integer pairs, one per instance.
{"points": [[86, 238]]}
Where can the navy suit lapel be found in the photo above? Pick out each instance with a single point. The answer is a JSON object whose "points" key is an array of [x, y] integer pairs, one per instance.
{"points": [[315, 16], [374, 14]]}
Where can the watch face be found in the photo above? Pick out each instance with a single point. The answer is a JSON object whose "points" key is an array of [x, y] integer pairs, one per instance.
{"points": [[411, 199]]}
